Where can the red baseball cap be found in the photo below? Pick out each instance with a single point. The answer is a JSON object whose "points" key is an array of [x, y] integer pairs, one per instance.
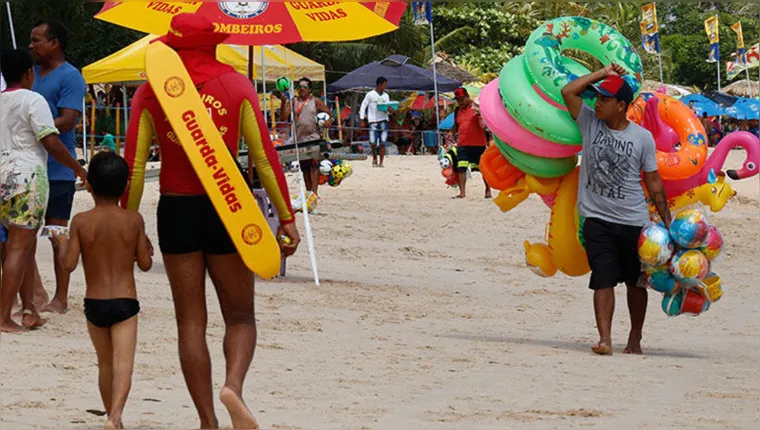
{"points": [[189, 30], [460, 92], [615, 86]]}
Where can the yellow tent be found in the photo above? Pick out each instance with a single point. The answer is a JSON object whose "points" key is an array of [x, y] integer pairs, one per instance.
{"points": [[128, 64]]}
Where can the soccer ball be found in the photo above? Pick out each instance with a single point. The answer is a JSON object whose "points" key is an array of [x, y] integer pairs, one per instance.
{"points": [[294, 167], [445, 163], [282, 84], [322, 118], [325, 167], [338, 173]]}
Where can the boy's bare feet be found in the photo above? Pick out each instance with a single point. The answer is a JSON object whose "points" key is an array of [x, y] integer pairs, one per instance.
{"points": [[113, 424], [239, 413], [602, 348], [11, 327], [56, 306], [634, 345], [32, 320]]}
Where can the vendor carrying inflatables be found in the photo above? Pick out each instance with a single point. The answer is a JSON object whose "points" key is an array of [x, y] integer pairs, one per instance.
{"points": [[192, 236]]}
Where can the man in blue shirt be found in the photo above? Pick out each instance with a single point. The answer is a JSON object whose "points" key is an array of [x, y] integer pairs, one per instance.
{"points": [[64, 89]]}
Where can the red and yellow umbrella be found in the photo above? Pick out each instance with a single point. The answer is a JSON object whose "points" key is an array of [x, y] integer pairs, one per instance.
{"points": [[265, 23]]}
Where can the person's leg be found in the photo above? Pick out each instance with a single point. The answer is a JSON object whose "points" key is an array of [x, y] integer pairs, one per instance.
{"points": [[30, 298], [488, 189], [101, 340], [637, 307], [124, 340], [17, 258], [306, 171], [604, 308], [235, 288], [187, 277], [383, 141], [602, 254], [314, 178], [58, 213], [373, 142]]}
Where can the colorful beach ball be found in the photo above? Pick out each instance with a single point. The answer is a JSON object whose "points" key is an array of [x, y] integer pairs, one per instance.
{"points": [[689, 228], [662, 281], [655, 246], [713, 243], [671, 304], [689, 267]]}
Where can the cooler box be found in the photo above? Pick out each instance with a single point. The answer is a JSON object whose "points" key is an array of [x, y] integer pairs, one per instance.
{"points": [[383, 107]]}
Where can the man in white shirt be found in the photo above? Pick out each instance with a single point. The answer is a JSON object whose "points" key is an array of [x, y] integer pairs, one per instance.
{"points": [[377, 120]]}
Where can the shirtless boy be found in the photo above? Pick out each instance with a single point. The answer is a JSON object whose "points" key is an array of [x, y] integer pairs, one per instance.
{"points": [[110, 240]]}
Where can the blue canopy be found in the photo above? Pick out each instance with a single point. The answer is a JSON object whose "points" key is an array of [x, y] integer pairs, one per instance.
{"points": [[745, 109], [401, 75], [703, 105], [448, 123]]}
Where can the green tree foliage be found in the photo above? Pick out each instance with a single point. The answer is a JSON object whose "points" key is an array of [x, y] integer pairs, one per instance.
{"points": [[479, 36], [91, 39]]}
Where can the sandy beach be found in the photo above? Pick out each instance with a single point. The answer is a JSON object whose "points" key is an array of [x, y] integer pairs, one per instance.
{"points": [[427, 318]]}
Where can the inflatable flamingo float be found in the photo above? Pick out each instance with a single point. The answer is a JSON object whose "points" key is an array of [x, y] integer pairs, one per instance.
{"points": [[646, 111]]}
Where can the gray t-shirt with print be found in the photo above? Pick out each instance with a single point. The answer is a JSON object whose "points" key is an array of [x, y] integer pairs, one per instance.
{"points": [[610, 179]]}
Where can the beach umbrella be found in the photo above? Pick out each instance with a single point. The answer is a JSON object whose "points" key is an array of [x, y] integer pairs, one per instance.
{"points": [[704, 105], [265, 23]]}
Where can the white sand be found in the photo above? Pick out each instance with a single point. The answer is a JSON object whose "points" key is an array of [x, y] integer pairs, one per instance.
{"points": [[427, 319]]}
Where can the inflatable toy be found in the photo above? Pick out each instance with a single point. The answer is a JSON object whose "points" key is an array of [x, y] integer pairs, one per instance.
{"points": [[282, 84], [662, 281], [714, 164], [689, 228], [502, 125], [671, 304], [531, 84], [655, 246], [689, 267], [713, 243], [497, 171], [565, 251], [715, 196], [687, 156], [536, 166]]}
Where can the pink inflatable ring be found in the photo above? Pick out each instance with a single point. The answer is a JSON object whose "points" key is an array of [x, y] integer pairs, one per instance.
{"points": [[501, 123]]}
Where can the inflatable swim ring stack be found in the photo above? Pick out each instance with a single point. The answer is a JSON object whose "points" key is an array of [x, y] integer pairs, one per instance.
{"points": [[536, 140]]}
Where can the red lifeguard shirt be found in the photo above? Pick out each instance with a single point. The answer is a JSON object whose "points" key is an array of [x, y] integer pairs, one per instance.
{"points": [[233, 104], [471, 133]]}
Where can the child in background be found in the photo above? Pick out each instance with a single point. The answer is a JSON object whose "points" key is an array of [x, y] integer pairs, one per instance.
{"points": [[110, 240]]}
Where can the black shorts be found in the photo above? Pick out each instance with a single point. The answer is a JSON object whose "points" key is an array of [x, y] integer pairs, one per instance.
{"points": [[61, 200], [469, 156], [188, 224], [612, 251]]}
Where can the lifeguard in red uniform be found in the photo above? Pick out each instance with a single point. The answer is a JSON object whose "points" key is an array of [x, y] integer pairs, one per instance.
{"points": [[191, 235]]}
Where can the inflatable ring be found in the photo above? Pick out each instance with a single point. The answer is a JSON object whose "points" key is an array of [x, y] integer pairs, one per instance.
{"points": [[545, 45], [532, 109], [501, 123], [531, 84], [536, 166], [688, 159]]}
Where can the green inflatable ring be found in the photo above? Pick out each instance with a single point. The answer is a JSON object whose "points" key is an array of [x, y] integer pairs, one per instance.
{"points": [[545, 45], [550, 121], [536, 166]]}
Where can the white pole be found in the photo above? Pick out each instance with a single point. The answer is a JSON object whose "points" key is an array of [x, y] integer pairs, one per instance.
{"points": [[126, 115], [659, 58], [435, 85], [302, 189], [10, 23]]}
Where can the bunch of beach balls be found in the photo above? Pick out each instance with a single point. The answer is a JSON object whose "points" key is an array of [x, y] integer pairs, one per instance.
{"points": [[333, 172], [678, 262]]}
